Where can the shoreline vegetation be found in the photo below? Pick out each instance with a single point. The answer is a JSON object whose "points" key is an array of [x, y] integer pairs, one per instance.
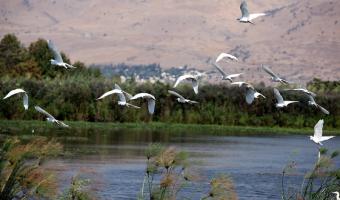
{"points": [[172, 128], [70, 95]]}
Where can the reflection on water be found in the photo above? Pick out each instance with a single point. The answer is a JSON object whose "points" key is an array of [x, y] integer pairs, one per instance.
{"points": [[114, 159]]}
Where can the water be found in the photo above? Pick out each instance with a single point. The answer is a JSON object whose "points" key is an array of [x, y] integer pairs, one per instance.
{"points": [[115, 162]]}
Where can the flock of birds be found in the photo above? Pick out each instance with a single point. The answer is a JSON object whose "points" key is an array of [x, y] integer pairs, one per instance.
{"points": [[250, 92]]}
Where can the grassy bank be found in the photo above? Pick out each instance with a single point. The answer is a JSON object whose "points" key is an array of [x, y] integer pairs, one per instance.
{"points": [[16, 125]]}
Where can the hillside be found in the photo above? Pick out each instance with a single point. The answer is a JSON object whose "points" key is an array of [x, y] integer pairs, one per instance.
{"points": [[300, 39]]}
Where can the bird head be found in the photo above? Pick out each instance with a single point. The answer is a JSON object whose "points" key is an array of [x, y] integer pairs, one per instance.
{"points": [[311, 137]]}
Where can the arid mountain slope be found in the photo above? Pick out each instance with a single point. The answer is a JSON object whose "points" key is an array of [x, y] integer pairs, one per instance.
{"points": [[299, 39]]}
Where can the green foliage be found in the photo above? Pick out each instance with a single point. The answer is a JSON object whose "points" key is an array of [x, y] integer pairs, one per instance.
{"points": [[77, 190], [74, 98]]}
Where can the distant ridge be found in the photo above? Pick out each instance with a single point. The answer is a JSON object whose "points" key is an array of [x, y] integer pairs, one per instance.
{"points": [[300, 39]]}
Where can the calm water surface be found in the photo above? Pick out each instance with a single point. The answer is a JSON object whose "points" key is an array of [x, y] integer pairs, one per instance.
{"points": [[115, 162]]}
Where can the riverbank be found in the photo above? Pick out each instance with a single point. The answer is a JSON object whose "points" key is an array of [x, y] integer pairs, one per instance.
{"points": [[40, 126]]}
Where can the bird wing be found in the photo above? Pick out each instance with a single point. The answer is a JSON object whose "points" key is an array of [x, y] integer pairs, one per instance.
{"points": [[117, 86], [240, 84], [195, 85], [131, 105], [60, 123], [13, 92], [257, 94], [143, 95], [310, 97], [127, 95], [269, 71], [278, 96], [151, 105], [69, 66], [37, 108], [234, 75], [318, 129], [55, 51], [192, 102], [220, 70], [176, 94], [183, 77], [244, 9], [114, 91], [120, 95], [255, 15], [289, 102], [323, 109], [25, 101], [250, 95], [225, 55], [324, 138]]}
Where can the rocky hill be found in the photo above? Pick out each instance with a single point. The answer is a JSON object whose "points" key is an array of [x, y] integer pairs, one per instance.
{"points": [[299, 39]]}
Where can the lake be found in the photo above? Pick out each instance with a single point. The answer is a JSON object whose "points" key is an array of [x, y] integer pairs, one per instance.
{"points": [[114, 160]]}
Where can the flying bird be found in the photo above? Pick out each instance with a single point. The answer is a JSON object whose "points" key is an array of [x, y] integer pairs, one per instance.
{"points": [[181, 99], [121, 96], [280, 102], [225, 55], [19, 91], [318, 138], [191, 78], [274, 78], [246, 17], [225, 76], [50, 118], [58, 60], [303, 90], [150, 98], [250, 93], [312, 102]]}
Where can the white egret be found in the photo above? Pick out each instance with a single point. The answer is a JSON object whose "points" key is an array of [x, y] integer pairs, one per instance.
{"points": [[121, 96], [181, 99], [312, 102], [246, 17], [337, 195], [58, 60], [225, 76], [250, 93], [193, 80], [18, 91], [318, 138], [150, 98], [280, 102], [274, 78], [50, 118], [225, 55]]}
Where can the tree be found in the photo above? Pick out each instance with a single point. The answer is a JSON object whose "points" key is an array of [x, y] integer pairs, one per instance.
{"points": [[12, 52]]}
